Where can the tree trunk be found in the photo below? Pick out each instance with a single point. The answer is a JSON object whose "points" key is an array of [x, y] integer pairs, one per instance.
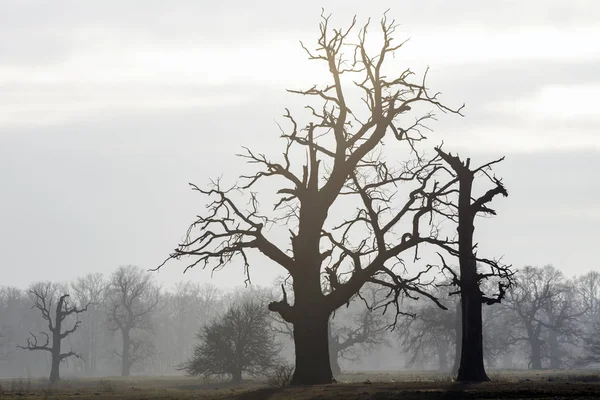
{"points": [[126, 364], [471, 367], [311, 342], [471, 356], [536, 353], [555, 362], [236, 376], [55, 368], [56, 339]]}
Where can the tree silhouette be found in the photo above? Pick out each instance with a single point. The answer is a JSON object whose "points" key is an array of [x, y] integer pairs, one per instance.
{"points": [[43, 300], [133, 296], [542, 306], [240, 341], [469, 278], [344, 169], [429, 333]]}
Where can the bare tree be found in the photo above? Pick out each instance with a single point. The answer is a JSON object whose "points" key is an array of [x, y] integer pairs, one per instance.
{"points": [[341, 172], [91, 289], [541, 308], [469, 278], [591, 348], [358, 328], [498, 329], [133, 296], [239, 342], [588, 290], [16, 316], [428, 333], [185, 309], [3, 347], [44, 296], [562, 313]]}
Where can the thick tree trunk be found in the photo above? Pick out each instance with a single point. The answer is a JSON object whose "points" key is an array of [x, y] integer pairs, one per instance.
{"points": [[56, 339], [471, 367], [55, 367], [236, 376], [471, 357], [311, 342], [536, 353], [125, 362]]}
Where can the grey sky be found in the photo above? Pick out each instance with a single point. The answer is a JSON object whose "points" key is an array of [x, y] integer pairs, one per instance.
{"points": [[108, 109]]}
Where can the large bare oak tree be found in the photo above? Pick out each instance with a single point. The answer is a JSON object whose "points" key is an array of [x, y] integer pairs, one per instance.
{"points": [[344, 168]]}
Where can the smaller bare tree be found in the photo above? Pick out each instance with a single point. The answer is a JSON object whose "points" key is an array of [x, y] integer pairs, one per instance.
{"points": [[91, 289], [133, 296], [543, 310], [361, 328], [3, 352], [44, 295], [591, 348], [239, 342]]}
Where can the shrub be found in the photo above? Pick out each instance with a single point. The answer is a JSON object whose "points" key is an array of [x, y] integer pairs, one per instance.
{"points": [[239, 342]]}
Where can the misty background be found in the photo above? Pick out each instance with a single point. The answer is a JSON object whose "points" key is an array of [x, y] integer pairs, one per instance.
{"points": [[108, 110]]}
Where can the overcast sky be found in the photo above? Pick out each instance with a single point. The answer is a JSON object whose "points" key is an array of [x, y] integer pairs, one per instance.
{"points": [[109, 108]]}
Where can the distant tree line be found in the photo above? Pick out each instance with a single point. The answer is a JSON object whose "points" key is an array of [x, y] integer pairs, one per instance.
{"points": [[111, 325], [546, 321], [125, 324]]}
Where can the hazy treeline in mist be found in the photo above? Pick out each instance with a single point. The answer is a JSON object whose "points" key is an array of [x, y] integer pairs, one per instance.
{"points": [[132, 325]]}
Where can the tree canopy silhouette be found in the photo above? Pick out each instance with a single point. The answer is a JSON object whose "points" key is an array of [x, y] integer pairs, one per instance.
{"points": [[345, 168], [44, 297], [241, 341]]}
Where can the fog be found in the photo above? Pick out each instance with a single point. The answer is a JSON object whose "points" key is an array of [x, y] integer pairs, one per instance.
{"points": [[561, 310], [108, 111]]}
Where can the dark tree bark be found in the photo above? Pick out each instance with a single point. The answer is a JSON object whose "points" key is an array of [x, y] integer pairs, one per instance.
{"points": [[536, 352], [471, 367], [339, 163], [312, 350], [468, 280], [43, 299]]}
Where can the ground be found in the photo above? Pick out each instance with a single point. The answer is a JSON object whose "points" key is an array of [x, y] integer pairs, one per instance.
{"points": [[358, 386]]}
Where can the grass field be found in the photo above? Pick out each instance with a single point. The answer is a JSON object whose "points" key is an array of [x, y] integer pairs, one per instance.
{"points": [[374, 386]]}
